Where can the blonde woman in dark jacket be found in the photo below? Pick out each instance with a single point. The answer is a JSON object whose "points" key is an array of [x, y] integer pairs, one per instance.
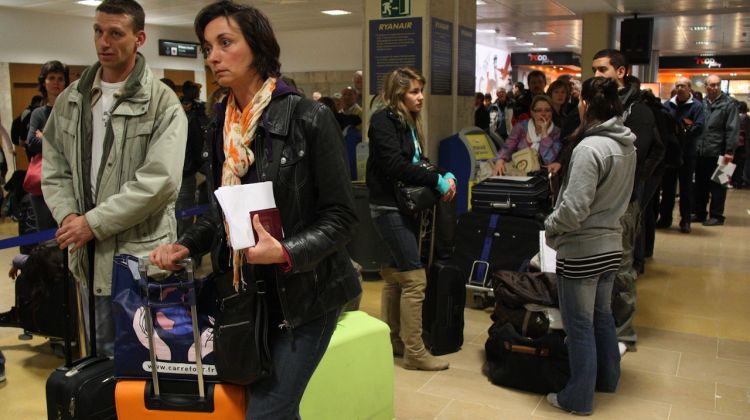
{"points": [[396, 141]]}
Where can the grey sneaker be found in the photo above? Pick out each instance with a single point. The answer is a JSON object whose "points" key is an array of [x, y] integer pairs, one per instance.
{"points": [[552, 399]]}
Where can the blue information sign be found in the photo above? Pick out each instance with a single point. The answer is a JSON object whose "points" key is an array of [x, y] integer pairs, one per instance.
{"points": [[467, 44], [394, 43], [441, 57]]}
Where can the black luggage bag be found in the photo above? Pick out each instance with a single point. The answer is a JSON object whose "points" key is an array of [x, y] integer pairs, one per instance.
{"points": [[40, 288], [85, 388], [536, 365], [519, 196], [443, 309], [487, 242]]}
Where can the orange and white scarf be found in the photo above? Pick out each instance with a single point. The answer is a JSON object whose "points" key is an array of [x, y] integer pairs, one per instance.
{"points": [[239, 131]]}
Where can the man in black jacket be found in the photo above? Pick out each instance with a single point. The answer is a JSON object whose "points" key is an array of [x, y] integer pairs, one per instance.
{"points": [[650, 153]]}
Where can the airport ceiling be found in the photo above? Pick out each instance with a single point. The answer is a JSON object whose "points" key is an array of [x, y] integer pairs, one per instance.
{"points": [[681, 27]]}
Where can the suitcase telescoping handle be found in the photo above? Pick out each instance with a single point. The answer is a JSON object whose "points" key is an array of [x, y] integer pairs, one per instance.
{"points": [[187, 264], [501, 205], [475, 266]]}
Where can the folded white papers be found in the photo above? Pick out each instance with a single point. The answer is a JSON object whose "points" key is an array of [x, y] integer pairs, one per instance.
{"points": [[723, 172], [237, 201], [547, 255]]}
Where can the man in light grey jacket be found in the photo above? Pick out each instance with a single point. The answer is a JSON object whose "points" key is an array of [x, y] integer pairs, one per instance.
{"points": [[113, 157]]}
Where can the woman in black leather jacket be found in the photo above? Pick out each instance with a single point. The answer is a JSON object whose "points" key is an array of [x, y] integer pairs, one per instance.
{"points": [[265, 131], [396, 141]]}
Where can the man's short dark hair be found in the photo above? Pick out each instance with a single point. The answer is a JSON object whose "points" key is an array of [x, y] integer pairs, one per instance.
{"points": [[536, 73], [255, 27], [125, 7], [616, 58]]}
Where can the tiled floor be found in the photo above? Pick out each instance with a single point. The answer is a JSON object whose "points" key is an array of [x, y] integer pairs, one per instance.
{"points": [[693, 358]]}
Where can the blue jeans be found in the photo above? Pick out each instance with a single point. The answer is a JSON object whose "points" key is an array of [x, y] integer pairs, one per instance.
{"points": [[591, 340], [295, 356], [400, 234]]}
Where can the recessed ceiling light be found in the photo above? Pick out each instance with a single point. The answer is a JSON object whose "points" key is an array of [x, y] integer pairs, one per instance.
{"points": [[90, 2], [571, 46], [336, 12], [709, 54], [507, 38], [481, 3], [704, 42], [524, 44], [540, 33], [540, 49], [700, 28], [486, 31]]}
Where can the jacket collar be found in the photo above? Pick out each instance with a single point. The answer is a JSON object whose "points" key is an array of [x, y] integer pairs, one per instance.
{"points": [[688, 102], [630, 91], [276, 117]]}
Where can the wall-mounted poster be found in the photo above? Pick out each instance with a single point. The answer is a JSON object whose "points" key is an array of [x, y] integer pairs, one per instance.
{"points": [[493, 69], [467, 40], [441, 57], [394, 43]]}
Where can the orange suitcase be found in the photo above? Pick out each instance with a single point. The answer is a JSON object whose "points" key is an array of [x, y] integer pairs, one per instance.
{"points": [[155, 399], [134, 397]]}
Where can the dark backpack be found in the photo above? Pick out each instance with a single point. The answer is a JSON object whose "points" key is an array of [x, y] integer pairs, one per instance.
{"points": [[197, 126], [19, 129], [669, 130]]}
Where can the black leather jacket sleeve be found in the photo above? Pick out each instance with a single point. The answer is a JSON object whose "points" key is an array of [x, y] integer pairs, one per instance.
{"points": [[392, 156], [330, 221]]}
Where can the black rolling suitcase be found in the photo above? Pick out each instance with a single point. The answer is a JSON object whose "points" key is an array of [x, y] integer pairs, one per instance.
{"points": [[85, 388], [487, 242], [517, 195], [443, 308]]}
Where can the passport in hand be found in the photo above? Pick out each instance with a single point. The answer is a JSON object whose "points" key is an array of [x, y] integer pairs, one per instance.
{"points": [[271, 221]]}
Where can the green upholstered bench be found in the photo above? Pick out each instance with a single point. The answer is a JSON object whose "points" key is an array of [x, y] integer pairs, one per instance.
{"points": [[355, 378]]}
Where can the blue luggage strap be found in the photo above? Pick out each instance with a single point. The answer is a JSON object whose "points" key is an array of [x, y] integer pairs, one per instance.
{"points": [[480, 273]]}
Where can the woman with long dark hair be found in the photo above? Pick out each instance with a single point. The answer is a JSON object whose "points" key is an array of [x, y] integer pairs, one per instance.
{"points": [[585, 230], [53, 79], [264, 124], [396, 142]]}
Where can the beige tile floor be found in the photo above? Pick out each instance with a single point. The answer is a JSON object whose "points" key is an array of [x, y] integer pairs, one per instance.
{"points": [[693, 358]]}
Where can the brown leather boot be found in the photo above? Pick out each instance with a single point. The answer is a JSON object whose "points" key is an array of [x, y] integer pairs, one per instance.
{"points": [[390, 302], [416, 356]]}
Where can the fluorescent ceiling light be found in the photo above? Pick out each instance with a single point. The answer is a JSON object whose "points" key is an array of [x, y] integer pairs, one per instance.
{"points": [[540, 33], [481, 3], [507, 38], [90, 2], [571, 46], [486, 31], [704, 42], [540, 49], [700, 28], [336, 12], [524, 44]]}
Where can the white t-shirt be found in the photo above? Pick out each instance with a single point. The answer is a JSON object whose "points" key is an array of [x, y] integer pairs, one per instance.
{"points": [[100, 116]]}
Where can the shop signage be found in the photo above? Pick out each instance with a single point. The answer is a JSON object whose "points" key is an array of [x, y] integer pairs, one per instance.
{"points": [[545, 59], [395, 8], [714, 62]]}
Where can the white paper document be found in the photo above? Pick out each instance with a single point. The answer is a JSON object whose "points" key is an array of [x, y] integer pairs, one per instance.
{"points": [[237, 201], [547, 255], [723, 172]]}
